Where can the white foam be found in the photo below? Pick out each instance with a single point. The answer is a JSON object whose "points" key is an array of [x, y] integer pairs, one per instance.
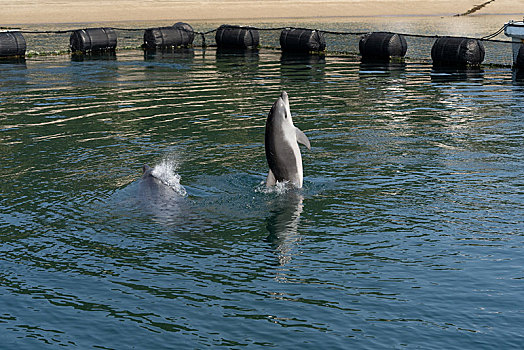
{"points": [[166, 172], [279, 188]]}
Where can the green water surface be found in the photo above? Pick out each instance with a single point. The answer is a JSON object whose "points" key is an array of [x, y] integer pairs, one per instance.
{"points": [[408, 232]]}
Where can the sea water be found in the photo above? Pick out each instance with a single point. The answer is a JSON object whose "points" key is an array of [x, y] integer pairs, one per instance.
{"points": [[408, 232]]}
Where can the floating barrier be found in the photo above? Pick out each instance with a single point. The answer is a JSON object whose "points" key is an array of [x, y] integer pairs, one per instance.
{"points": [[179, 35], [519, 60], [456, 51], [228, 36], [302, 40], [12, 44], [93, 40], [382, 46], [188, 29]]}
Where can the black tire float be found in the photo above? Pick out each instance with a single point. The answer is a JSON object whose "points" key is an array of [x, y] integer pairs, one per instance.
{"points": [[12, 44], [237, 37], [302, 40], [382, 46], [178, 35], [93, 40], [457, 52]]}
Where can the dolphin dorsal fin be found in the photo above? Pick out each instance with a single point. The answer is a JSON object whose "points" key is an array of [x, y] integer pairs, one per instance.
{"points": [[302, 138]]}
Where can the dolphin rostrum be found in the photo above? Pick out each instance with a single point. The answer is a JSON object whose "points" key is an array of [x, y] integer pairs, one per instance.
{"points": [[281, 141]]}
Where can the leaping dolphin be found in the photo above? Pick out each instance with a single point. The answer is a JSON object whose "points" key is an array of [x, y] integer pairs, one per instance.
{"points": [[281, 142]]}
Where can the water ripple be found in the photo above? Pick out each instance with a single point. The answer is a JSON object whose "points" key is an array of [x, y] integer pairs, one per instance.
{"points": [[408, 230]]}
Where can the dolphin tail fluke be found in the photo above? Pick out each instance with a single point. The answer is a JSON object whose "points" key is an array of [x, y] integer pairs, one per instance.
{"points": [[270, 181], [302, 138]]}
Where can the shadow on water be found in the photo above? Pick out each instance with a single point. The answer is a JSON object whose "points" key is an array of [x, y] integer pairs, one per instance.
{"points": [[299, 67], [451, 74], [282, 224]]}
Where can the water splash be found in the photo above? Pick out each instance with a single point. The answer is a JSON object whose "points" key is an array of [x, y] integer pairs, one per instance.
{"points": [[166, 171], [279, 188]]}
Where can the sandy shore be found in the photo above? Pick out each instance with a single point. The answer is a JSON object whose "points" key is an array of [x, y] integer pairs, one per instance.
{"points": [[77, 11]]}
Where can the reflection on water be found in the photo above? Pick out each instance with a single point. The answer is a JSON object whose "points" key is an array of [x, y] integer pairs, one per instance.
{"points": [[18, 61], [296, 66], [171, 54], [94, 56], [369, 65], [282, 224], [236, 61], [518, 75], [443, 74], [14, 74], [392, 68]]}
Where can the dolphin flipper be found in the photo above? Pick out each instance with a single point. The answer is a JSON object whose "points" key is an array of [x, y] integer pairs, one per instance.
{"points": [[270, 181], [302, 138]]}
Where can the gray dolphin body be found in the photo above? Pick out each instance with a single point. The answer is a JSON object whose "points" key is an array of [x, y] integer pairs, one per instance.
{"points": [[281, 142], [152, 188], [147, 176], [159, 199], [165, 203]]}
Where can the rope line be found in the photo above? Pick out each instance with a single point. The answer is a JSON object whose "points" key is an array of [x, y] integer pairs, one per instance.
{"points": [[488, 38], [491, 36]]}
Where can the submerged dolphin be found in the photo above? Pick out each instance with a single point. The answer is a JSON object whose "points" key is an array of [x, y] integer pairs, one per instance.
{"points": [[147, 174], [153, 187], [281, 142], [165, 202]]}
